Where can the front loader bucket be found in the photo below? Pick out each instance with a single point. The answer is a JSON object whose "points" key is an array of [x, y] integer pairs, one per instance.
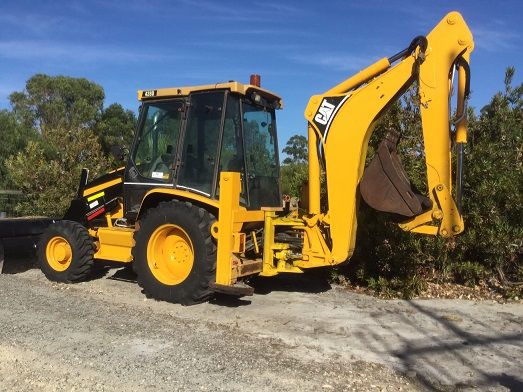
{"points": [[385, 186]]}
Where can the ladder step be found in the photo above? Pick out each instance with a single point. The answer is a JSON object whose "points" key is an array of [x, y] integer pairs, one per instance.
{"points": [[238, 289]]}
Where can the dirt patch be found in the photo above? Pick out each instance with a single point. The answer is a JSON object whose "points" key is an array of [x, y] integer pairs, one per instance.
{"points": [[104, 335], [480, 292], [295, 333]]}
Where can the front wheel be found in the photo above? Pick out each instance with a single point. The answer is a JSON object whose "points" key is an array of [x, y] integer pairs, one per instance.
{"points": [[175, 255], [65, 252]]}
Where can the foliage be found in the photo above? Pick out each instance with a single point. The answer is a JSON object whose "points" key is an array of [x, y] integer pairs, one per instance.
{"points": [[494, 185], [65, 118], [296, 149], [294, 176], [115, 127], [492, 243], [58, 102], [295, 170], [14, 136], [49, 176]]}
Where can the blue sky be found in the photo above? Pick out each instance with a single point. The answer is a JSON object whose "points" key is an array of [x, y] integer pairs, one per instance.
{"points": [[300, 48]]}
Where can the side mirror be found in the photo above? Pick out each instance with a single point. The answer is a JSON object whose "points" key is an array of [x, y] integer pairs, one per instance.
{"points": [[118, 152]]}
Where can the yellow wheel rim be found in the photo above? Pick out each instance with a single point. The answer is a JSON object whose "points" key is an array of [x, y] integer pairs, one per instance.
{"points": [[59, 254], [170, 254]]}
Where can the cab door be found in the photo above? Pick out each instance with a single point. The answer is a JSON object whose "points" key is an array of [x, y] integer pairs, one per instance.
{"points": [[152, 161], [200, 145]]}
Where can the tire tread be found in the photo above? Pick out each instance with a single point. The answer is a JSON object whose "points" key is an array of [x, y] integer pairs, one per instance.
{"points": [[200, 291], [83, 250]]}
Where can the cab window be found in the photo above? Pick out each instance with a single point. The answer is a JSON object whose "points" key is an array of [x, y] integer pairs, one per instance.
{"points": [[261, 156], [158, 138], [201, 139]]}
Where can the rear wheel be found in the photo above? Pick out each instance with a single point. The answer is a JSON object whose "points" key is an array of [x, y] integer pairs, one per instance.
{"points": [[175, 255], [65, 252]]}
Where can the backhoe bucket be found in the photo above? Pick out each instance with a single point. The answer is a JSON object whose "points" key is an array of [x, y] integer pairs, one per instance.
{"points": [[385, 185]]}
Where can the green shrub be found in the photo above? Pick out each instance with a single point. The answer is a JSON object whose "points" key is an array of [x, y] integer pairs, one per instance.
{"points": [[491, 245]]}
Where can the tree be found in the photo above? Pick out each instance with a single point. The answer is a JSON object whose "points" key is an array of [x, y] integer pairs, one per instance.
{"points": [[48, 171], [58, 102], [293, 178], [391, 260], [294, 170], [296, 149], [15, 137], [64, 112], [493, 243], [115, 127]]}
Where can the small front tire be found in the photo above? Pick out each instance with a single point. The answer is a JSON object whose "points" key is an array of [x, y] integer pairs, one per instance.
{"points": [[65, 252]]}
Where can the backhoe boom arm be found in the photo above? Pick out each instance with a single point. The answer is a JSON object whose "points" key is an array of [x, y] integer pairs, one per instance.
{"points": [[342, 119]]}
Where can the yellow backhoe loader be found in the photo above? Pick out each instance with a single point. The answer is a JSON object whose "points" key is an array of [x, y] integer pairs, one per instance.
{"points": [[197, 207]]}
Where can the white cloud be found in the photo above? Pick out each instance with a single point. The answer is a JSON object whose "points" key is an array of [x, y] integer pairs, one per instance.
{"points": [[279, 32], [334, 61], [48, 50], [36, 24], [243, 11], [495, 40]]}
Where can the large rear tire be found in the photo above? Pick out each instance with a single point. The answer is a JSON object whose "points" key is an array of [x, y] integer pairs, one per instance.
{"points": [[65, 252], [175, 255]]}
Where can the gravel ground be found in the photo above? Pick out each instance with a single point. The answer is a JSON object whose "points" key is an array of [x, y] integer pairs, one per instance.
{"points": [[292, 335]]}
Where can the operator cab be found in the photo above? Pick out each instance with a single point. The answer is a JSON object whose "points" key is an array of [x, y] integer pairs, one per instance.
{"points": [[187, 136]]}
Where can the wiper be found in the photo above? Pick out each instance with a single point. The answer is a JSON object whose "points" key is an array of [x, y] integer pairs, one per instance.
{"points": [[154, 125]]}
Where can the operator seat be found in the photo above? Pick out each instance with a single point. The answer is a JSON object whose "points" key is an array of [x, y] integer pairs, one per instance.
{"points": [[163, 162]]}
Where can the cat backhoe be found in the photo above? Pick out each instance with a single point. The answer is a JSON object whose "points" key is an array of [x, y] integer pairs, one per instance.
{"points": [[197, 208]]}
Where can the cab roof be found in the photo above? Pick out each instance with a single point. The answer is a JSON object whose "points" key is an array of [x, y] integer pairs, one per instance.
{"points": [[235, 87]]}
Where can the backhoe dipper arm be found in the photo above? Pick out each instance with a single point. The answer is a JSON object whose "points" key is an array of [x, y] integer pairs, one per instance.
{"points": [[342, 120]]}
